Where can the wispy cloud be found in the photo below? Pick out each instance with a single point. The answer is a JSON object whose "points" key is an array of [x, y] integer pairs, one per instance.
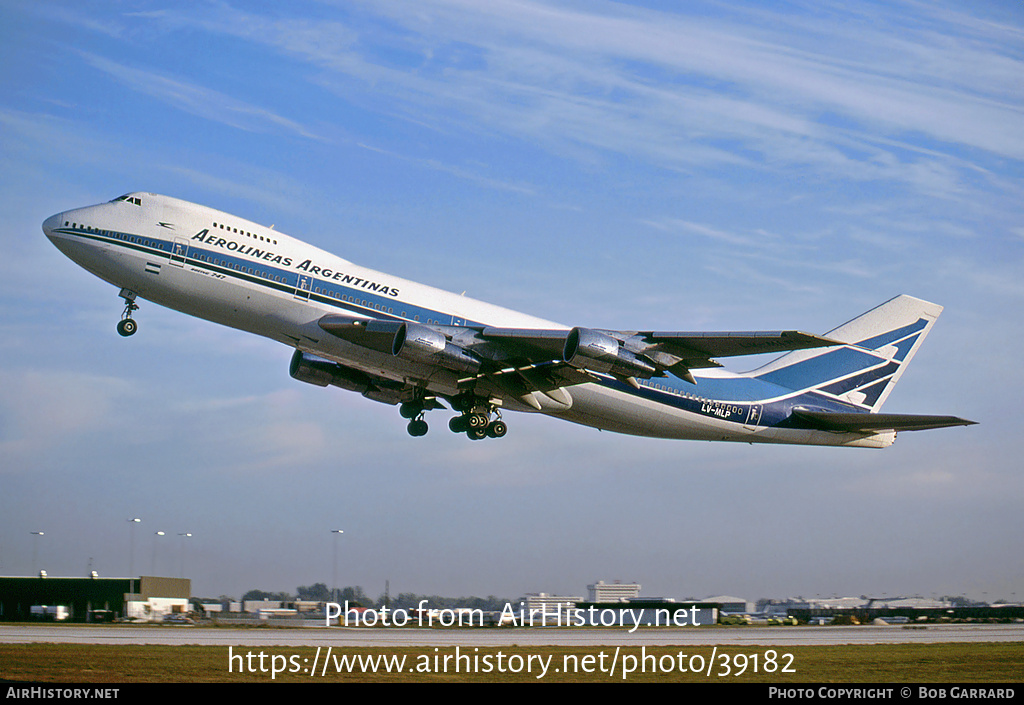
{"points": [[198, 100], [459, 172], [673, 90], [677, 226]]}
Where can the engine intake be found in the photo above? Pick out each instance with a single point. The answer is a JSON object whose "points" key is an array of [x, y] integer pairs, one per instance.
{"points": [[422, 344], [587, 349]]}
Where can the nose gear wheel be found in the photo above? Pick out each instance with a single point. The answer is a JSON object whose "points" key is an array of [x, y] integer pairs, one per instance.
{"points": [[127, 325]]}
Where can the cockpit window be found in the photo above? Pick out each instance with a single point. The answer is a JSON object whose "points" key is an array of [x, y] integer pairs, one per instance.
{"points": [[135, 200]]}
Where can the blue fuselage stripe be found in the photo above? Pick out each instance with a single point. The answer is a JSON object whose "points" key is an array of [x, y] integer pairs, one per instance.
{"points": [[344, 298]]}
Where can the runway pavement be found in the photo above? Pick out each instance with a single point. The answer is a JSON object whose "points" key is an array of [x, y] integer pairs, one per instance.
{"points": [[536, 636]]}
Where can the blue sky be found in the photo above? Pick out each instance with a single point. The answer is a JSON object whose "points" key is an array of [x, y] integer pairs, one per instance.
{"points": [[727, 166]]}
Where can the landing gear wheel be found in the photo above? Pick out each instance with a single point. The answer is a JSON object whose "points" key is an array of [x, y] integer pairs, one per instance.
{"points": [[410, 410], [127, 327], [475, 418], [418, 427]]}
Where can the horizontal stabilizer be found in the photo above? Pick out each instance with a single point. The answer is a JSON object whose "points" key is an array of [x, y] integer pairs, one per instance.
{"points": [[870, 423]]}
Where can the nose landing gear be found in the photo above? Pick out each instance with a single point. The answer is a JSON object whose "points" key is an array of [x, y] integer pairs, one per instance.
{"points": [[127, 325]]}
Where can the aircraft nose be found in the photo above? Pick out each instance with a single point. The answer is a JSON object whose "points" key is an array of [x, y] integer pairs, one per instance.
{"points": [[52, 223]]}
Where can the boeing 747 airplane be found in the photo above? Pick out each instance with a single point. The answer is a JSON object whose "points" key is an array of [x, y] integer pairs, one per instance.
{"points": [[403, 343]]}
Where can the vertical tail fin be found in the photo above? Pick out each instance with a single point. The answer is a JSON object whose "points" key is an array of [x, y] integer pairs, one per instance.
{"points": [[880, 344]]}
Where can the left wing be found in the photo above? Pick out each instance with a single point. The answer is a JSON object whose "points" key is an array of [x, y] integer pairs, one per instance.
{"points": [[539, 357], [628, 354]]}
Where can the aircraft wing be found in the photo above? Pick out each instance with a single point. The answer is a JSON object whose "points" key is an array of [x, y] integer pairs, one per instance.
{"points": [[645, 354], [870, 423], [535, 353], [695, 347]]}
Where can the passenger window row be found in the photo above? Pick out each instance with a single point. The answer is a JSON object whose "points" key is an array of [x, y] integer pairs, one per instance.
{"points": [[254, 236]]}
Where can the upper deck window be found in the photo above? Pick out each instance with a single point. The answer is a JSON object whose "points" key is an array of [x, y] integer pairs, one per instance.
{"points": [[245, 232]]}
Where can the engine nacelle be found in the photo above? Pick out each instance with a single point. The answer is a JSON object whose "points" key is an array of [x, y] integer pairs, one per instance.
{"points": [[415, 342], [589, 350], [313, 370], [422, 344]]}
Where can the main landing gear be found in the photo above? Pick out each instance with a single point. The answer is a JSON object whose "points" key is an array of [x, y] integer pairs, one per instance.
{"points": [[127, 325], [414, 411], [474, 420]]}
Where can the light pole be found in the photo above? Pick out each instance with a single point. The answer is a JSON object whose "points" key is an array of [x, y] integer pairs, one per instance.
{"points": [[183, 535], [35, 550], [334, 587], [131, 554], [131, 545], [155, 534]]}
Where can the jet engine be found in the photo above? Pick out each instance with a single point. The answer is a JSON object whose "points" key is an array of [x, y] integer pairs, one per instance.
{"points": [[590, 350], [422, 344], [313, 370], [409, 341]]}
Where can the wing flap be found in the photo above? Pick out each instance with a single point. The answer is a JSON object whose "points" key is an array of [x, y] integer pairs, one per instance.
{"points": [[543, 377]]}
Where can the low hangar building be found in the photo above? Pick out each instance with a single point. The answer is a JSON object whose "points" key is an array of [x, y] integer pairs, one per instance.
{"points": [[88, 599]]}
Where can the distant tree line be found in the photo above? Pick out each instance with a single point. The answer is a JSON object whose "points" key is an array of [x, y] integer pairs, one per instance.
{"points": [[319, 592]]}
